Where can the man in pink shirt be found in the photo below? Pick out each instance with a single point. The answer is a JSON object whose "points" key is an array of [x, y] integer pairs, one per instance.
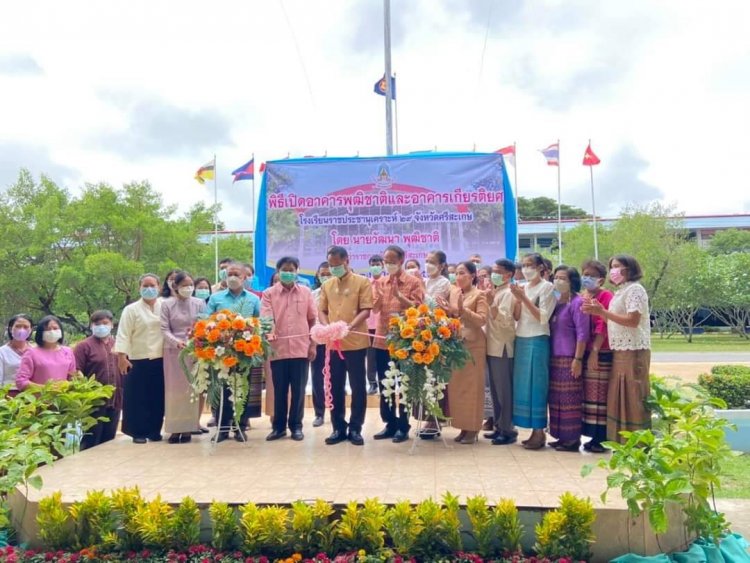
{"points": [[291, 306]]}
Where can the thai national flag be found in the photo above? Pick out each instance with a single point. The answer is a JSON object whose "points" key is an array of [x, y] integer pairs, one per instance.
{"points": [[245, 172], [552, 154]]}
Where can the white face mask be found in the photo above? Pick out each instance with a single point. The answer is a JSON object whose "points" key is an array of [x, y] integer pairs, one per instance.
{"points": [[413, 271], [234, 282], [431, 269], [530, 273], [52, 335], [563, 286], [393, 268], [186, 291]]}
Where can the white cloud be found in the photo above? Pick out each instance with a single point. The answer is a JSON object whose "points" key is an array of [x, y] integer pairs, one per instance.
{"points": [[149, 89]]}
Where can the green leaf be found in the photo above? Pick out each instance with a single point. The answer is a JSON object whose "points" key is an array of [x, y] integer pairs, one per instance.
{"points": [[35, 481]]}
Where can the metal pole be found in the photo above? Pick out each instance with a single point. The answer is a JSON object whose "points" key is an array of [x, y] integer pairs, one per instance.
{"points": [[518, 215], [395, 108], [593, 211], [559, 209], [388, 92], [216, 223]]}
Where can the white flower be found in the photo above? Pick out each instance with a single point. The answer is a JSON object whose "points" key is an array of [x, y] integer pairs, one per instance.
{"points": [[247, 335], [220, 351], [221, 317]]}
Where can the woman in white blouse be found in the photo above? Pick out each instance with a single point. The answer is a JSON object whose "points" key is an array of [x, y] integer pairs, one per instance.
{"points": [[437, 284], [19, 335], [629, 331], [535, 303], [139, 348]]}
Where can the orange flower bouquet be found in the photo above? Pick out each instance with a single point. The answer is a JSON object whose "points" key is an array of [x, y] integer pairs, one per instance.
{"points": [[220, 352], [425, 346]]}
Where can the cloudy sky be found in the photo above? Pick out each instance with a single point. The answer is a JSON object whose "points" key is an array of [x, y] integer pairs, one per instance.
{"points": [[150, 89]]}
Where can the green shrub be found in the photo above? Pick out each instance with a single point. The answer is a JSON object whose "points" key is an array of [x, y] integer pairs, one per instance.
{"points": [[224, 525], [730, 383], [264, 530], [312, 529], [154, 522], [567, 531], [361, 527], [403, 525], [95, 521], [186, 524], [127, 502], [55, 526], [509, 527]]}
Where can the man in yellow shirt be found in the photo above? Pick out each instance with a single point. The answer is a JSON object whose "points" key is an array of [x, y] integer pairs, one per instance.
{"points": [[347, 297]]}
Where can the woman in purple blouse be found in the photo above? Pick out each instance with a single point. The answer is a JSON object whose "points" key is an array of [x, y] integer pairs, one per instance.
{"points": [[569, 331], [50, 360]]}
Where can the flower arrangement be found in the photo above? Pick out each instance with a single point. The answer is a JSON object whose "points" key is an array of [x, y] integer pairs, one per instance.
{"points": [[425, 346], [223, 348]]}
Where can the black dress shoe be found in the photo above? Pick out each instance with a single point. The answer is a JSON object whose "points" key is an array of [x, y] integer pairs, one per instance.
{"points": [[356, 438], [318, 421], [297, 435], [503, 440], [174, 438], [222, 436], [240, 435], [493, 435], [185, 437], [384, 434], [275, 435], [155, 438], [336, 437], [139, 440], [400, 436]]}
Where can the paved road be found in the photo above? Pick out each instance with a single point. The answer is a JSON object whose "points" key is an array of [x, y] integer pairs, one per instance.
{"points": [[701, 357]]}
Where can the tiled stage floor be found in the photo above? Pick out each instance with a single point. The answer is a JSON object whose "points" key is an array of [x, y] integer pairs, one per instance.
{"points": [[282, 471]]}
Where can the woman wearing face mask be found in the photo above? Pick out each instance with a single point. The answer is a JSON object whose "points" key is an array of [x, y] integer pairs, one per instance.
{"points": [[19, 334], [437, 284], [178, 315], [139, 349], [466, 388], [629, 332], [202, 289], [322, 275], [597, 364], [451, 269], [569, 334], [95, 357], [531, 354], [169, 289], [50, 360]]}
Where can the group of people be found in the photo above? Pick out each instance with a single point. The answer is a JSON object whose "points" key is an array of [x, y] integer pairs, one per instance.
{"points": [[552, 349]]}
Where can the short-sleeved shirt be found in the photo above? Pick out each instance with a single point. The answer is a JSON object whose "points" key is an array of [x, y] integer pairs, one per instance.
{"points": [[342, 299], [40, 365], [629, 298], [244, 303], [409, 286]]}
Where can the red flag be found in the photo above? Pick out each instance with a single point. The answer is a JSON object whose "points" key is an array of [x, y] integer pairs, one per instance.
{"points": [[589, 158], [262, 167], [509, 153]]}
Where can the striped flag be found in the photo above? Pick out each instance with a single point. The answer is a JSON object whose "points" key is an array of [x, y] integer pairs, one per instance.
{"points": [[552, 154], [206, 172], [245, 172]]}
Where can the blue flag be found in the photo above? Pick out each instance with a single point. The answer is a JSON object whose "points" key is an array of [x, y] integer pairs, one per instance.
{"points": [[380, 87]]}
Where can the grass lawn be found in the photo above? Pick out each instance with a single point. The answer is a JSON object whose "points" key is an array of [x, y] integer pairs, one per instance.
{"points": [[701, 343], [736, 484]]}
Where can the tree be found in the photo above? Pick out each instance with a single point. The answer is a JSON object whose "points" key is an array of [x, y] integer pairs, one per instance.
{"points": [[729, 241], [545, 208], [732, 301], [69, 256]]}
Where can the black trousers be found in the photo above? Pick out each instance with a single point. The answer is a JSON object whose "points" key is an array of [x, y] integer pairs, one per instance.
{"points": [[394, 420], [143, 399], [372, 360], [318, 392], [353, 364], [227, 414], [102, 431], [290, 373]]}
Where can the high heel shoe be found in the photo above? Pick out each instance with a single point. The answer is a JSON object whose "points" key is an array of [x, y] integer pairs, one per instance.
{"points": [[470, 438], [460, 436]]}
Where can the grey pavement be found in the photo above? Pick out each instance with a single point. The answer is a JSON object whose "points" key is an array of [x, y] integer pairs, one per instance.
{"points": [[705, 357]]}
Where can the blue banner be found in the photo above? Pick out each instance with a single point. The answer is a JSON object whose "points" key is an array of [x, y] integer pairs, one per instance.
{"points": [[460, 203]]}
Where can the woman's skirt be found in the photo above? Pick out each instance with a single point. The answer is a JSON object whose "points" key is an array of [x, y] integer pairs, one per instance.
{"points": [[465, 392], [181, 412], [143, 399], [530, 381], [565, 400], [595, 386], [628, 388]]}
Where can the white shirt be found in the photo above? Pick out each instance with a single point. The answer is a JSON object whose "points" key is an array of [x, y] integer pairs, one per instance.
{"points": [[501, 327], [139, 333], [9, 362], [437, 287], [629, 298], [542, 295]]}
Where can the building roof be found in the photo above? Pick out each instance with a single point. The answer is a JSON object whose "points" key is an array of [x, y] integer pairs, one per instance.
{"points": [[692, 222]]}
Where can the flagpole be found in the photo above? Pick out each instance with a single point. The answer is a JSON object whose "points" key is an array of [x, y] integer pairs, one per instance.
{"points": [[559, 209], [252, 199], [216, 223], [388, 85], [395, 107], [518, 215], [593, 210]]}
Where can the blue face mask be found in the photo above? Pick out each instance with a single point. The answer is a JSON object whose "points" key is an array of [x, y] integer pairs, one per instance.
{"points": [[222, 274], [149, 292], [101, 331], [203, 293], [249, 283], [589, 282], [338, 271]]}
